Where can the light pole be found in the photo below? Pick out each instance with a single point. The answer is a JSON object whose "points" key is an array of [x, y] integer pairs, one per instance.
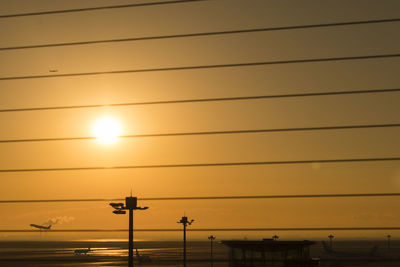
{"points": [[388, 242], [185, 222], [211, 238], [130, 204], [330, 239], [275, 237]]}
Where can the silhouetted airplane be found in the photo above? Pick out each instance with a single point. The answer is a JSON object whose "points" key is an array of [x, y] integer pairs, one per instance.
{"points": [[342, 258], [41, 227], [142, 258], [82, 251]]}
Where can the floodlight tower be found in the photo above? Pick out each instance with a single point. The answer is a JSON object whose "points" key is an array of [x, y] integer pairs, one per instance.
{"points": [[330, 239], [130, 204], [211, 238], [185, 222]]}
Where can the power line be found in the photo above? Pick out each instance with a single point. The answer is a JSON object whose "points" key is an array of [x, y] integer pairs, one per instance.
{"points": [[197, 67], [16, 201], [273, 196], [379, 228], [199, 100], [95, 8], [202, 34], [220, 164], [345, 127]]}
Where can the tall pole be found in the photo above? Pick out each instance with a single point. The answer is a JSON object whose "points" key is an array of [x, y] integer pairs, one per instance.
{"points": [[185, 222], [184, 245], [120, 208], [211, 237], [388, 242], [130, 238]]}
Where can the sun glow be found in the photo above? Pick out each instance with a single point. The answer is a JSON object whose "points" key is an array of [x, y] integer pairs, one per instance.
{"points": [[107, 130]]}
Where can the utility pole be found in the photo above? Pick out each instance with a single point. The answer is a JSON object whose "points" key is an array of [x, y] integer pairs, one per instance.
{"points": [[185, 222], [330, 239], [211, 237], [120, 208]]}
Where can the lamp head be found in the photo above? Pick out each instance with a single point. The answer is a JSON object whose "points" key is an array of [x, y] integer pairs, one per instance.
{"points": [[119, 212], [117, 205]]}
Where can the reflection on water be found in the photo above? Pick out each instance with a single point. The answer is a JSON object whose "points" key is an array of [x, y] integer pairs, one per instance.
{"points": [[105, 240], [114, 253], [101, 253]]}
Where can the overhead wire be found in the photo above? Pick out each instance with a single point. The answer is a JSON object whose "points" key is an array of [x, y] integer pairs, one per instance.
{"points": [[250, 131], [200, 100], [85, 9], [378, 228], [213, 66], [218, 164], [201, 133], [203, 34], [231, 197]]}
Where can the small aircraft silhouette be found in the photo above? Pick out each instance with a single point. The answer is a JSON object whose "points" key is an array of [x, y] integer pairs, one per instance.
{"points": [[82, 251], [41, 227]]}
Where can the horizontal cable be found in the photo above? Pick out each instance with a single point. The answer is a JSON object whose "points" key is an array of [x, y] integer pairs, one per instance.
{"points": [[203, 198], [221, 164], [212, 229], [240, 98], [200, 34], [94, 8], [345, 127], [214, 66]]}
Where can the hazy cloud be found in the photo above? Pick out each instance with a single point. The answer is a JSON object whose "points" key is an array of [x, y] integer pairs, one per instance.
{"points": [[59, 220]]}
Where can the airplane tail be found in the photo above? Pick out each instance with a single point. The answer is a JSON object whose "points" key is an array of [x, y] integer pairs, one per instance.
{"points": [[48, 227], [327, 248]]}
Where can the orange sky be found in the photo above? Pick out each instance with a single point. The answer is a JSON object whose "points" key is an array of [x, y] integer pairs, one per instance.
{"points": [[203, 16]]}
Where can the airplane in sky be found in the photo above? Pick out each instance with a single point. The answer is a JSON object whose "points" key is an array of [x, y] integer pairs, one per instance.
{"points": [[333, 258], [40, 227]]}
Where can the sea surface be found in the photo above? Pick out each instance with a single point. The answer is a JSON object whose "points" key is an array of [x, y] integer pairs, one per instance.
{"points": [[169, 253]]}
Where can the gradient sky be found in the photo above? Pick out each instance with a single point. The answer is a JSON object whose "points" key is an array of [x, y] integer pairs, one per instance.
{"points": [[217, 15]]}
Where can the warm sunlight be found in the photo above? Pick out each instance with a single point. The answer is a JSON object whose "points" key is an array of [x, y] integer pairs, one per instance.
{"points": [[107, 129]]}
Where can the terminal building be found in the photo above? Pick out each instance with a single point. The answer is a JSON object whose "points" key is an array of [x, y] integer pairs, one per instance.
{"points": [[269, 252]]}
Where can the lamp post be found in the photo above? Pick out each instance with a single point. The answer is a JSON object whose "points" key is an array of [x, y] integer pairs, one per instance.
{"points": [[388, 242], [275, 237], [185, 222], [120, 208], [211, 238], [330, 239]]}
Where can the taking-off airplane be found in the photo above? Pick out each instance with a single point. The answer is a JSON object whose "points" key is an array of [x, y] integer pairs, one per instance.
{"points": [[41, 227]]}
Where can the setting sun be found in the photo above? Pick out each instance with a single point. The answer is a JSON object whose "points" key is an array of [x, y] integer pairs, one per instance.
{"points": [[107, 129]]}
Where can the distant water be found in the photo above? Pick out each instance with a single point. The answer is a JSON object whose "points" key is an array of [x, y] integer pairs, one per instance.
{"points": [[114, 253], [106, 253]]}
